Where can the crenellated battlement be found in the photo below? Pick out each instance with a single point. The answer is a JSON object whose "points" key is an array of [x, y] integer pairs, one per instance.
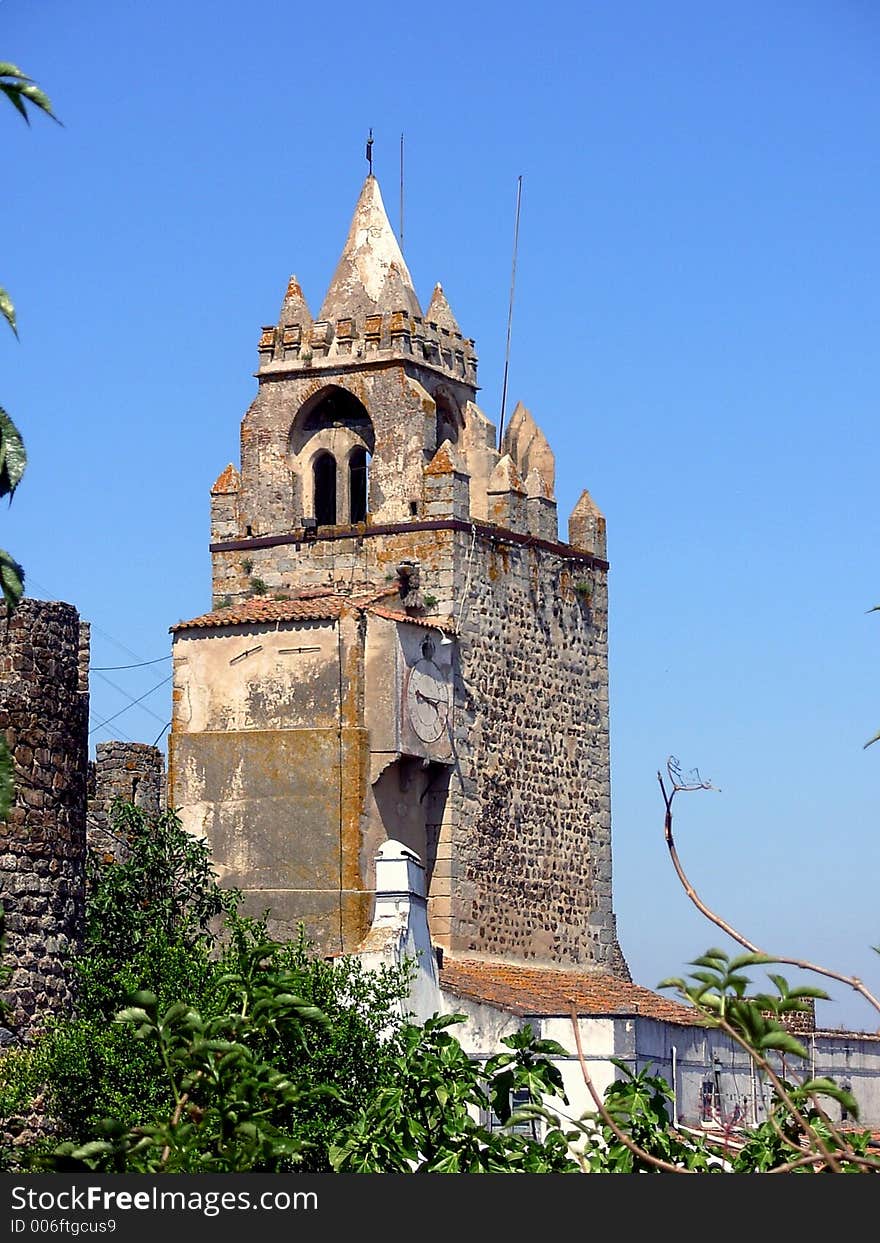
{"points": [[395, 335]]}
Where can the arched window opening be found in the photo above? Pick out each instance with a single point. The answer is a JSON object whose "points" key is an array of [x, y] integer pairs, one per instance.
{"points": [[448, 419], [325, 489], [331, 410], [357, 485]]}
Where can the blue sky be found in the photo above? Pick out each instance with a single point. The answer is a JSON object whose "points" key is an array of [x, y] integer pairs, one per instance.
{"points": [[695, 329]]}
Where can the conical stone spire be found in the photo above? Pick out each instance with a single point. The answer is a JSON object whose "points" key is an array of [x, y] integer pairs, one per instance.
{"points": [[371, 276], [294, 308], [440, 312]]}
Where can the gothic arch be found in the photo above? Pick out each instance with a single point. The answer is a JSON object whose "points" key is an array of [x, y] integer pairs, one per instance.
{"points": [[449, 418], [332, 424]]}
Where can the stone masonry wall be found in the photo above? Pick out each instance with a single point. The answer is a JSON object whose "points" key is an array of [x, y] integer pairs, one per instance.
{"points": [[133, 771], [528, 841], [44, 716]]}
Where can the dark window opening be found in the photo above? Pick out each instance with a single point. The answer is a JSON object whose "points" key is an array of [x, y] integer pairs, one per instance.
{"points": [[710, 1100], [448, 419], [249, 530], [325, 490], [332, 408], [413, 508], [357, 485]]}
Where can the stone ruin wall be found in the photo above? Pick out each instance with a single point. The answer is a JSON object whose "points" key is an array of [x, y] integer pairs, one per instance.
{"points": [[44, 716], [60, 801], [132, 771]]}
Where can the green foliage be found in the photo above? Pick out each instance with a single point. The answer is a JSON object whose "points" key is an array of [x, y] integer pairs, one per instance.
{"points": [[21, 90], [639, 1104], [274, 1049], [231, 1052], [423, 1120], [161, 892], [258, 587], [7, 784], [798, 1128], [228, 1106], [13, 458], [719, 991]]}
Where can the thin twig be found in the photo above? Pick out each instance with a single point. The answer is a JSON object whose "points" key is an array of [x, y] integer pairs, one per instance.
{"points": [[606, 1116], [175, 1118], [802, 964], [810, 1134]]}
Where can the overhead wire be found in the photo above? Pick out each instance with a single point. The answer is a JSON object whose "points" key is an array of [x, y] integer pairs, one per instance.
{"points": [[133, 703], [140, 665], [125, 693], [99, 669]]}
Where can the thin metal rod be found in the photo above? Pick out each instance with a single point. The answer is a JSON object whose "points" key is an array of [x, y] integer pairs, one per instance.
{"points": [[401, 191], [510, 310]]}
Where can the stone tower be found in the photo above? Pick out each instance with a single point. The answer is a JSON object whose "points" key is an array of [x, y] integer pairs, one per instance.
{"points": [[400, 645], [44, 713]]}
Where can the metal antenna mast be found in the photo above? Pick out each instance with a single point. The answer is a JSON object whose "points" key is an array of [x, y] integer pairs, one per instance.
{"points": [[401, 191], [510, 309]]}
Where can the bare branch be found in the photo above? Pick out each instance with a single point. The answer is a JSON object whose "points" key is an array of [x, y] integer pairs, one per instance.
{"points": [[810, 1134], [678, 785], [606, 1116]]}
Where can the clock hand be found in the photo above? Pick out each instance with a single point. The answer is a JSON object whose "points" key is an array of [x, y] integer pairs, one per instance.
{"points": [[429, 700]]}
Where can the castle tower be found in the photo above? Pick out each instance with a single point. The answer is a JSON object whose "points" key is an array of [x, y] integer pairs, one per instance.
{"points": [[399, 646], [44, 712]]}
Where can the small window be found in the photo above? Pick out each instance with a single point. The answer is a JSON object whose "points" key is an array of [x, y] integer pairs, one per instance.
{"points": [[710, 1100], [413, 508], [527, 1127], [357, 485], [325, 490]]}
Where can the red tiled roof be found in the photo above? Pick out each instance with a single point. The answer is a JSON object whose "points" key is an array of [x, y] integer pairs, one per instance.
{"points": [[313, 604], [434, 623], [259, 609], [549, 991]]}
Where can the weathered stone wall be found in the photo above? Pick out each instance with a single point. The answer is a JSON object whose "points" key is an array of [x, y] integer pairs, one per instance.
{"points": [[526, 845], [133, 771], [44, 716]]}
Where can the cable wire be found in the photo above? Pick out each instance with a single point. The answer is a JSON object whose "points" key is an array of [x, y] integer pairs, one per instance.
{"points": [[133, 703]]}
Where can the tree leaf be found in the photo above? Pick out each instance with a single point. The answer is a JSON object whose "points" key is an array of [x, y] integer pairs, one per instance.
{"points": [[784, 1042], [18, 88], [7, 310], [11, 579], [13, 457]]}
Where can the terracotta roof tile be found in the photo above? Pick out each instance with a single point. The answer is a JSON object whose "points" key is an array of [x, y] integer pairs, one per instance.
{"points": [[551, 991], [262, 610], [313, 604], [434, 623]]}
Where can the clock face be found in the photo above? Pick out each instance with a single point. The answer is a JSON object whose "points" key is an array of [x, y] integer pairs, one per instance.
{"points": [[427, 699]]}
